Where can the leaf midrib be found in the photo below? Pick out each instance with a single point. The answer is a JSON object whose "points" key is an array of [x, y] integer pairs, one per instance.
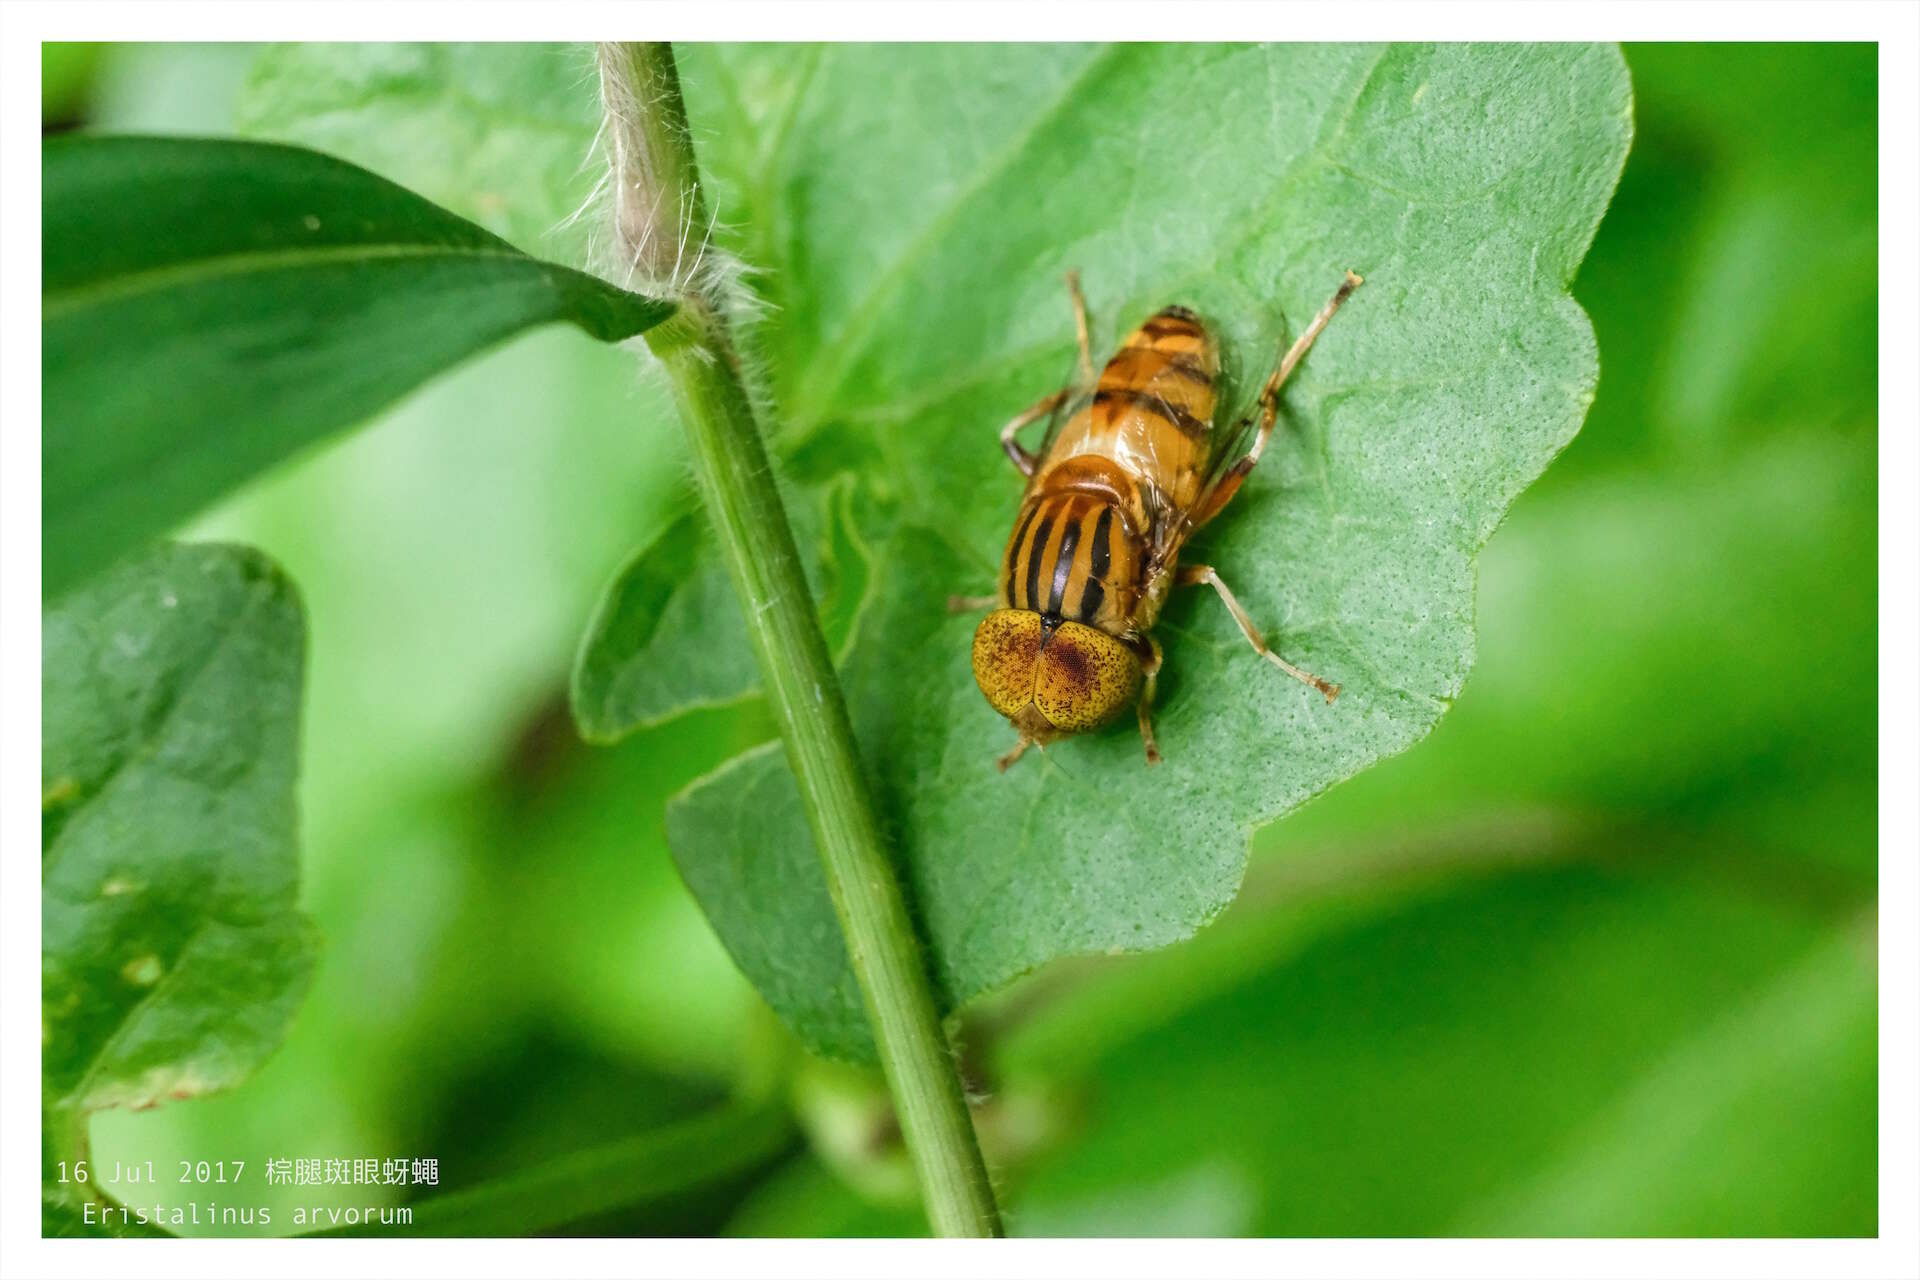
{"points": [[204, 270]]}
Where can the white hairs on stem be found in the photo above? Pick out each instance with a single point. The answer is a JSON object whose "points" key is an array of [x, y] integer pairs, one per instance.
{"points": [[642, 220], [645, 219]]}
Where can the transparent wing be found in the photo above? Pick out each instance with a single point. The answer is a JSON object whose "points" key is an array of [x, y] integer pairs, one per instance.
{"points": [[1233, 432]]}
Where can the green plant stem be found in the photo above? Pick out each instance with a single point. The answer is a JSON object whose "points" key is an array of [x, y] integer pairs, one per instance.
{"points": [[661, 224]]}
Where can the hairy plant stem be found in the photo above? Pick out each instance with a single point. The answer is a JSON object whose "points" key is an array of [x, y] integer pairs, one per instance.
{"points": [[661, 224]]}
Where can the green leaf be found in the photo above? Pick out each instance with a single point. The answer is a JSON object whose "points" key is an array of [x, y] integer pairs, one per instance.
{"points": [[1739, 265], [499, 133], [1761, 1122], [668, 635], [1463, 1061], [584, 1187], [1465, 183], [912, 267], [211, 307], [67, 71], [172, 955], [1553, 1040]]}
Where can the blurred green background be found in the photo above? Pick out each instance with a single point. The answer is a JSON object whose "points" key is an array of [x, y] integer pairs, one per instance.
{"points": [[1596, 958]]}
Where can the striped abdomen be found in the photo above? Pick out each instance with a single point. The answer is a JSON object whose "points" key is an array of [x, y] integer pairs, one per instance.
{"points": [[1151, 413], [1074, 555]]}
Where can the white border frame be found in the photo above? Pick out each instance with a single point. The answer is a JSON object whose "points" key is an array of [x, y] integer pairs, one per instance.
{"points": [[1896, 26]]}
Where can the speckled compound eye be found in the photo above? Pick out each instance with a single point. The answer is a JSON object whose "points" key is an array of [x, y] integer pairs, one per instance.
{"points": [[1077, 678], [1085, 678], [1006, 650]]}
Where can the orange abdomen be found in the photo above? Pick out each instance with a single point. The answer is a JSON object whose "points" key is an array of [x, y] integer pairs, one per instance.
{"points": [[1151, 413], [1130, 458], [1074, 554]]}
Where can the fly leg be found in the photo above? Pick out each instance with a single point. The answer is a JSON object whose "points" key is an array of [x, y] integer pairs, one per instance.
{"points": [[1229, 482], [1151, 669], [1021, 456], [1080, 330], [967, 604], [1204, 573]]}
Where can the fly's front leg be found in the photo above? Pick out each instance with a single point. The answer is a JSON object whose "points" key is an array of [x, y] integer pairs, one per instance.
{"points": [[1194, 573], [1230, 480], [1150, 667]]}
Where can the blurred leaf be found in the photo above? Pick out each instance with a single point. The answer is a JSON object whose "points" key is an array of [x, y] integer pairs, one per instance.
{"points": [[500, 133], [184, 88], [1418, 1070], [67, 70], [573, 1194], [1461, 1054], [1651, 652], [1761, 1123], [210, 308], [172, 957], [450, 624], [805, 1199], [1773, 106], [668, 635], [450, 621], [1734, 288], [1465, 183], [590, 931]]}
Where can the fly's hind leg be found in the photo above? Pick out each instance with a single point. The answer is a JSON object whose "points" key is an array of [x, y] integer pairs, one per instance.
{"points": [[1021, 456], [1229, 482], [1151, 669], [1194, 573], [967, 604]]}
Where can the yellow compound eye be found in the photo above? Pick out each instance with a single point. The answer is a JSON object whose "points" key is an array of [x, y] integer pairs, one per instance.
{"points": [[1077, 679], [1085, 678], [1006, 649]]}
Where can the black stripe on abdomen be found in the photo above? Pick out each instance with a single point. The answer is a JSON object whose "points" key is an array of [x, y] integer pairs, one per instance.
{"points": [[1092, 596], [1099, 560], [1063, 563], [1190, 369], [1035, 549], [1169, 321], [1102, 550], [1187, 424], [1011, 573]]}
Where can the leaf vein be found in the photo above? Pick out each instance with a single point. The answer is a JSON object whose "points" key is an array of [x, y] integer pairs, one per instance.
{"points": [[201, 270]]}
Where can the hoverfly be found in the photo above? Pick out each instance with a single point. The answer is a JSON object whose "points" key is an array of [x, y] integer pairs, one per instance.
{"points": [[1132, 465]]}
